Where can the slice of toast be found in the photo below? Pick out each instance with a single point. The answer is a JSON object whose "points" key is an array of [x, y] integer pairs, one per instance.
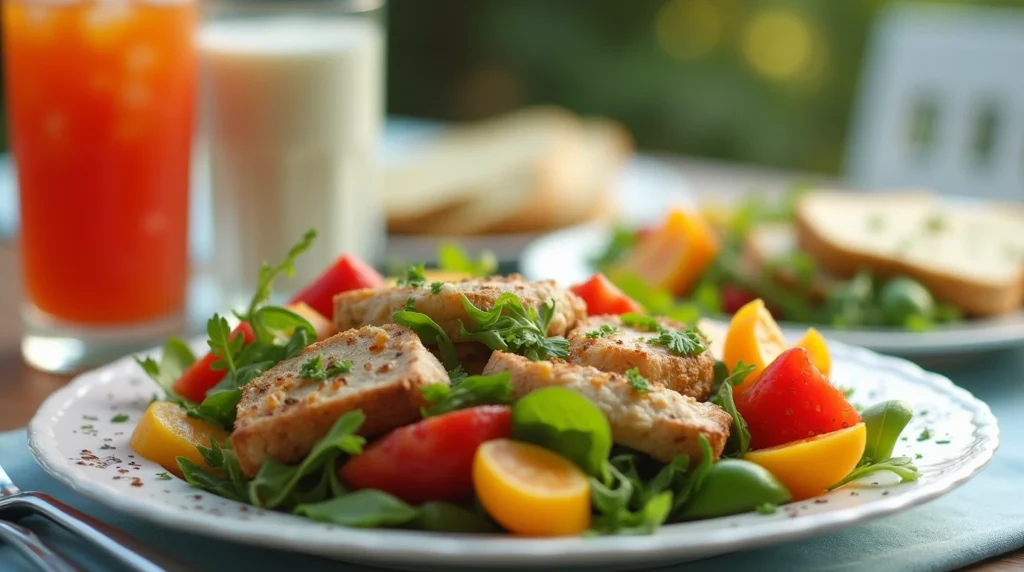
{"points": [[965, 255], [475, 175]]}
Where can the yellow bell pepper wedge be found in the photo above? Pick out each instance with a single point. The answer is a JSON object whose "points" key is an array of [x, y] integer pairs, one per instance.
{"points": [[674, 255], [808, 467], [165, 433]]}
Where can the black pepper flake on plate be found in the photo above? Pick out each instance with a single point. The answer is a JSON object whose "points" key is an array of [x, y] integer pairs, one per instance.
{"points": [[820, 501], [885, 493]]}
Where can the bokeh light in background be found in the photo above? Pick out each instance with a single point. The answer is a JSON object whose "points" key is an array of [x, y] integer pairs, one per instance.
{"points": [[763, 81]]}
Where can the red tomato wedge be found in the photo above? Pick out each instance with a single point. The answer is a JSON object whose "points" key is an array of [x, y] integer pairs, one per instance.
{"points": [[603, 297], [347, 273], [200, 377], [431, 460], [792, 400]]}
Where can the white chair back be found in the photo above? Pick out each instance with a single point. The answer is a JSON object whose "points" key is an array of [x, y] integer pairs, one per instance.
{"points": [[941, 102]]}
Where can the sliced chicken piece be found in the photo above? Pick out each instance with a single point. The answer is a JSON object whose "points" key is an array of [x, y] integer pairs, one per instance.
{"points": [[375, 306], [660, 422], [618, 348], [282, 414]]}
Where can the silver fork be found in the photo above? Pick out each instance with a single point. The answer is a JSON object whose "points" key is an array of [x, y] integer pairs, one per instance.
{"points": [[122, 547], [28, 545]]}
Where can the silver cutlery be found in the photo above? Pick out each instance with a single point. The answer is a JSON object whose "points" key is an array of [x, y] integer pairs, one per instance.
{"points": [[14, 504], [28, 545]]}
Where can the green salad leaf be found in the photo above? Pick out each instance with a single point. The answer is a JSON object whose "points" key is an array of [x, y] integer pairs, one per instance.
{"points": [[223, 476], [446, 517], [470, 392], [739, 434], [683, 343], [567, 423], [884, 423], [276, 325], [415, 276], [623, 240], [639, 383], [275, 482], [431, 334], [453, 258], [362, 509], [175, 358], [511, 327], [270, 273]]}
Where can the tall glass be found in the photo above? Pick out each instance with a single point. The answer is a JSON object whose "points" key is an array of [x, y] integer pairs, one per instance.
{"points": [[293, 106], [100, 102]]}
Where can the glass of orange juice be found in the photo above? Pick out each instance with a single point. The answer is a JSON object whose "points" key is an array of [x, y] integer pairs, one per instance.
{"points": [[100, 100]]}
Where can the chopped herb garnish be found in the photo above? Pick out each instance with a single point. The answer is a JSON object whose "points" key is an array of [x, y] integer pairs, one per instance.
{"points": [[415, 276], [918, 456], [684, 343], [767, 508], [925, 435], [638, 382], [410, 305], [314, 368], [164, 476], [119, 418], [943, 442], [435, 287], [90, 418], [86, 427], [641, 322], [509, 326], [604, 330]]}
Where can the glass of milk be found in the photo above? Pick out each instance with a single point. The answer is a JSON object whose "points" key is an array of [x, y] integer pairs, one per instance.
{"points": [[292, 99]]}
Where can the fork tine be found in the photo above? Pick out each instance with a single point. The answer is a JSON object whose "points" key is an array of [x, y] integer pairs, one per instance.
{"points": [[7, 486]]}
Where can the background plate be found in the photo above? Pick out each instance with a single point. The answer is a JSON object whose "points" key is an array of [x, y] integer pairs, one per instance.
{"points": [[73, 438], [564, 256]]}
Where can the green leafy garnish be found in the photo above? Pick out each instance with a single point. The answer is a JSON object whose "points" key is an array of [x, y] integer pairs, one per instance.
{"points": [[451, 257], [623, 240], [276, 483], [604, 330], [222, 475], [415, 276], [626, 506], [175, 358], [925, 434], [314, 369], [431, 333], [654, 300], [739, 434], [470, 392], [269, 273], [884, 422], [638, 382], [510, 327], [681, 343], [435, 287], [119, 418], [903, 467], [164, 476], [567, 423], [447, 517], [641, 322], [767, 508], [362, 509]]}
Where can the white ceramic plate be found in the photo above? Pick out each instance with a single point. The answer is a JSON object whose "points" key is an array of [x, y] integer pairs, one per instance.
{"points": [[564, 256], [73, 438]]}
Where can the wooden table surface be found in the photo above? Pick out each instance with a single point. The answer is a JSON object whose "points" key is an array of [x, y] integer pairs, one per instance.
{"points": [[22, 389]]}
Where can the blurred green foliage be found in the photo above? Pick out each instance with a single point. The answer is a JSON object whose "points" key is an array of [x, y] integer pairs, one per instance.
{"points": [[764, 81]]}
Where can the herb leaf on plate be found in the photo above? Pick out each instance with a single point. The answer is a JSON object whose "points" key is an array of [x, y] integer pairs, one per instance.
{"points": [[684, 343], [508, 326], [884, 423], [567, 423], [432, 334], [470, 392]]}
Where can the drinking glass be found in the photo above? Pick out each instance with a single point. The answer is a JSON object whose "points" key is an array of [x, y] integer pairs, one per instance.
{"points": [[292, 99], [100, 102]]}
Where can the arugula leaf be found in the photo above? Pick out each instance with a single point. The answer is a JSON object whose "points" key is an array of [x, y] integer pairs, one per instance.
{"points": [[604, 330], [903, 467], [565, 422], [628, 506], [685, 343], [199, 477], [275, 482], [508, 326], [269, 273], [362, 509], [470, 392], [767, 508], [446, 517], [641, 322], [314, 369], [884, 423], [739, 434], [175, 358], [451, 257], [435, 287], [219, 408], [223, 477], [223, 345], [273, 324], [693, 481], [735, 378], [415, 276], [432, 334], [638, 382]]}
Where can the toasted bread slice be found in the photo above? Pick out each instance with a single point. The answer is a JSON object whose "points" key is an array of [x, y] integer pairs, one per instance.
{"points": [[375, 306], [628, 347], [475, 175], [765, 245], [661, 422], [964, 255], [281, 415]]}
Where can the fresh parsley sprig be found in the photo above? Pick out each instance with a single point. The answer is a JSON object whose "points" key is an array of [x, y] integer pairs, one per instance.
{"points": [[639, 383], [604, 330], [313, 368], [509, 326], [682, 343], [415, 276]]}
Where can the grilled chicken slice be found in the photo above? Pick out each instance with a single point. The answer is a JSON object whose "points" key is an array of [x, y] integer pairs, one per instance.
{"points": [[375, 306], [281, 415], [661, 422], [628, 347]]}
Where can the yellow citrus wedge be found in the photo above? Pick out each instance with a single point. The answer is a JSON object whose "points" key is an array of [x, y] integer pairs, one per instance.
{"points": [[753, 338], [530, 490], [817, 350], [165, 433], [808, 467]]}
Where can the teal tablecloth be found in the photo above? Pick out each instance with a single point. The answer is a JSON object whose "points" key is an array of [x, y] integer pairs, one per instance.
{"points": [[984, 518]]}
